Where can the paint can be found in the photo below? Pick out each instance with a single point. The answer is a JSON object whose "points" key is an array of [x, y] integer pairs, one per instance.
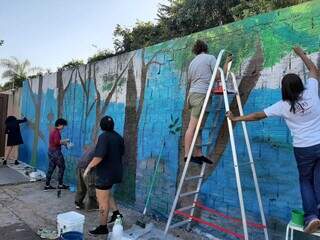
{"points": [[297, 217], [72, 236]]}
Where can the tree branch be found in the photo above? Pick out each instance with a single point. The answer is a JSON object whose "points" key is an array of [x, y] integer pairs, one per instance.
{"points": [[95, 80], [108, 98], [158, 63], [70, 79], [144, 73], [31, 93], [90, 108], [83, 84]]}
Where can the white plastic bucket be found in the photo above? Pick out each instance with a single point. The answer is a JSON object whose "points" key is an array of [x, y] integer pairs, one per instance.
{"points": [[70, 221]]}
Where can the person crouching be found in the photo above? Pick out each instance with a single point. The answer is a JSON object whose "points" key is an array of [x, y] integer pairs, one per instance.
{"points": [[86, 186]]}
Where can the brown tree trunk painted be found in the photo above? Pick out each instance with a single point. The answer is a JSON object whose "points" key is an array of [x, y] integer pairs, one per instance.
{"points": [[62, 91], [132, 118], [127, 189], [98, 107], [37, 105], [248, 82]]}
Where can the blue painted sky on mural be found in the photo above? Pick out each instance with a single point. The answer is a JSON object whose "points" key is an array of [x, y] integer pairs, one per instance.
{"points": [[52, 32]]}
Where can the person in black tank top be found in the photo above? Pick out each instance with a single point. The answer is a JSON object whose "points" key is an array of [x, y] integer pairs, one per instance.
{"points": [[107, 163]]}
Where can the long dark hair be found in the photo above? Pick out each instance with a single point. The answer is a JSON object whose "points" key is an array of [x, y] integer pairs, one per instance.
{"points": [[292, 88]]}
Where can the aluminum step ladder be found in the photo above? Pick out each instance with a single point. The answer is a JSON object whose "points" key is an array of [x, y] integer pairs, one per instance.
{"points": [[199, 178]]}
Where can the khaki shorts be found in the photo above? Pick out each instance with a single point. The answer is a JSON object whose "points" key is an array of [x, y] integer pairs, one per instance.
{"points": [[195, 103]]}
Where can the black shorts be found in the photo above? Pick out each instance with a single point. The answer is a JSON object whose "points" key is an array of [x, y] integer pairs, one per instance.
{"points": [[104, 187]]}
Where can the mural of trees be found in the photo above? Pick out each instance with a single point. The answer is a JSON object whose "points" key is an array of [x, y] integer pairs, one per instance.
{"points": [[62, 90], [36, 100], [133, 110], [121, 85], [112, 82], [88, 95]]}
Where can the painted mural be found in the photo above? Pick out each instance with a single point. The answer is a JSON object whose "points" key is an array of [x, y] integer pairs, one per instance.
{"points": [[145, 92]]}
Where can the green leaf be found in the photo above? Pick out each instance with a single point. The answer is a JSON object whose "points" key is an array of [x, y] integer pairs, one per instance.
{"points": [[177, 129], [176, 121]]}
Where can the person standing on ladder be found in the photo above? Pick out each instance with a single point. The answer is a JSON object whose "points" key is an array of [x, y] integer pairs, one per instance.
{"points": [[300, 108], [199, 74]]}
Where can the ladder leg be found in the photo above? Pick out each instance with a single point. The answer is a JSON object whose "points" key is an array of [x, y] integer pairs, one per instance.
{"points": [[235, 159], [253, 169], [175, 202], [203, 168]]}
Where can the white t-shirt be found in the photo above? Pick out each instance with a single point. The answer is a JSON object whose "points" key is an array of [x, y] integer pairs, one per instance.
{"points": [[304, 125]]}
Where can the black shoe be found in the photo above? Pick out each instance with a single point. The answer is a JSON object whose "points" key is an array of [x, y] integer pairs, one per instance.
{"points": [[4, 162], [79, 205], [194, 160], [66, 187], [114, 217], [204, 159], [48, 187], [102, 229], [16, 162]]}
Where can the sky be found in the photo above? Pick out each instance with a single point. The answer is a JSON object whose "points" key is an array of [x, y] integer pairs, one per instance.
{"points": [[50, 33]]}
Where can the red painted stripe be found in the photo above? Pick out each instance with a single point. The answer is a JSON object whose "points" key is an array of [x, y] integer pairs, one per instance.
{"points": [[220, 214], [215, 226]]}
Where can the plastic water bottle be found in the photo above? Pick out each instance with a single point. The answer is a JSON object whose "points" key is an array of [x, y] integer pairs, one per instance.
{"points": [[117, 230]]}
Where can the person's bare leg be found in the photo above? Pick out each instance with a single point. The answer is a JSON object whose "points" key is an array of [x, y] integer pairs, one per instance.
{"points": [[103, 197], [189, 134], [198, 150], [9, 152], [8, 155], [112, 203]]}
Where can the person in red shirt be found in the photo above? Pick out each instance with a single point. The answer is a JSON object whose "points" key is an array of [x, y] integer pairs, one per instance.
{"points": [[55, 155]]}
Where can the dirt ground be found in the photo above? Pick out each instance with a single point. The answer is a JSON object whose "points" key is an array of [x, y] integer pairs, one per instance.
{"points": [[25, 208]]}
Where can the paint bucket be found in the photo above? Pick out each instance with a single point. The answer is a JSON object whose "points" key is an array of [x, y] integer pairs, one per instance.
{"points": [[70, 222], [297, 217], [72, 236]]}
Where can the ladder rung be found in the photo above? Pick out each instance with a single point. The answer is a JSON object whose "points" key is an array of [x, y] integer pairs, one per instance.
{"points": [[193, 177], [229, 92], [179, 224], [185, 208], [204, 144], [188, 193], [244, 164], [214, 110]]}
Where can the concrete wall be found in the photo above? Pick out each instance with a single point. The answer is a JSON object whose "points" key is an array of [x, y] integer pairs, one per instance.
{"points": [[145, 91]]}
